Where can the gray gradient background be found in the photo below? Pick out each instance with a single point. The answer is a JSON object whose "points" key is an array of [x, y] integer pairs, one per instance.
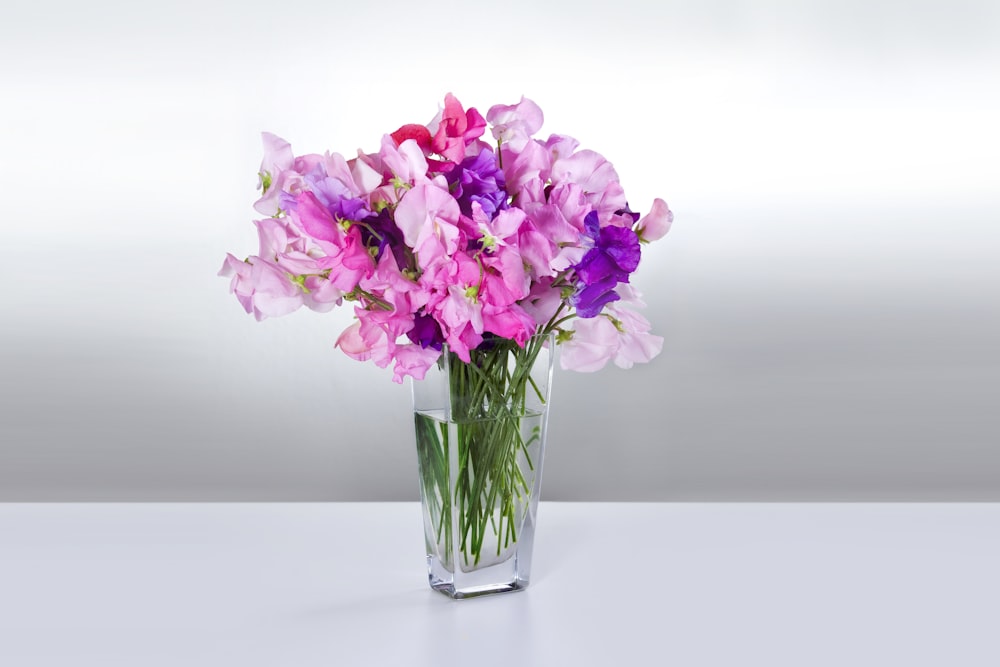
{"points": [[829, 293]]}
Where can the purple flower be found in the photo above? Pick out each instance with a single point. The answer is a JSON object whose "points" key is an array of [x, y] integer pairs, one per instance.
{"points": [[381, 232], [589, 300], [479, 179], [353, 208], [344, 208], [426, 332], [614, 255], [626, 211]]}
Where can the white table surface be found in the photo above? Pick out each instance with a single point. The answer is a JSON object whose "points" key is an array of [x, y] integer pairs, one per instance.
{"points": [[297, 585]]}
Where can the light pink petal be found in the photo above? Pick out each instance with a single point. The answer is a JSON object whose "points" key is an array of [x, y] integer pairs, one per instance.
{"points": [[352, 344], [406, 161], [542, 302], [637, 348], [427, 211], [507, 222], [274, 294], [323, 295], [413, 361], [594, 343], [366, 177], [514, 124], [655, 224], [532, 162]]}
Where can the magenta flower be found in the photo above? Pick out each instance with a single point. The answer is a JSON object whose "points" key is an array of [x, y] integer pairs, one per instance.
{"points": [[457, 129]]}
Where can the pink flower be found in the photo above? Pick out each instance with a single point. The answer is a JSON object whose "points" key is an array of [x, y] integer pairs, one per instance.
{"points": [[524, 168], [456, 129], [406, 161], [278, 159], [300, 259], [635, 345], [511, 322], [619, 334], [504, 279], [537, 251], [560, 220], [321, 295], [346, 256], [514, 124], [418, 133], [594, 343], [413, 361], [349, 262], [560, 146], [460, 309], [597, 179], [365, 340], [315, 219], [353, 345], [261, 287], [656, 223], [428, 217], [354, 178], [542, 302]]}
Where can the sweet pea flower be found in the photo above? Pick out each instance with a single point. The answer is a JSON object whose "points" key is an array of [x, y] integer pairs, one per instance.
{"points": [[592, 345], [620, 335], [461, 306], [418, 133], [589, 300], [560, 146], [428, 217], [636, 344], [479, 180], [314, 218], [656, 223], [353, 345], [426, 332], [528, 166], [413, 361], [543, 301], [514, 124], [456, 129], [406, 161], [320, 294], [441, 238], [614, 256], [346, 256], [511, 322], [278, 159], [560, 220], [261, 287], [596, 177]]}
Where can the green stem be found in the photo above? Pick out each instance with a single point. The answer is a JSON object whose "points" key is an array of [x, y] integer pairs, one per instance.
{"points": [[494, 473]]}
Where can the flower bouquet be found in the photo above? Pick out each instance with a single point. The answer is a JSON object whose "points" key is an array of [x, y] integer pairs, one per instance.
{"points": [[466, 261]]}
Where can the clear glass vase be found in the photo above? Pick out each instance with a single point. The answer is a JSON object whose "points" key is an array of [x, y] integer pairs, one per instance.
{"points": [[480, 431]]}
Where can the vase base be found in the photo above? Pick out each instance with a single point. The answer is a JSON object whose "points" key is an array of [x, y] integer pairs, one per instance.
{"points": [[506, 577], [477, 591]]}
